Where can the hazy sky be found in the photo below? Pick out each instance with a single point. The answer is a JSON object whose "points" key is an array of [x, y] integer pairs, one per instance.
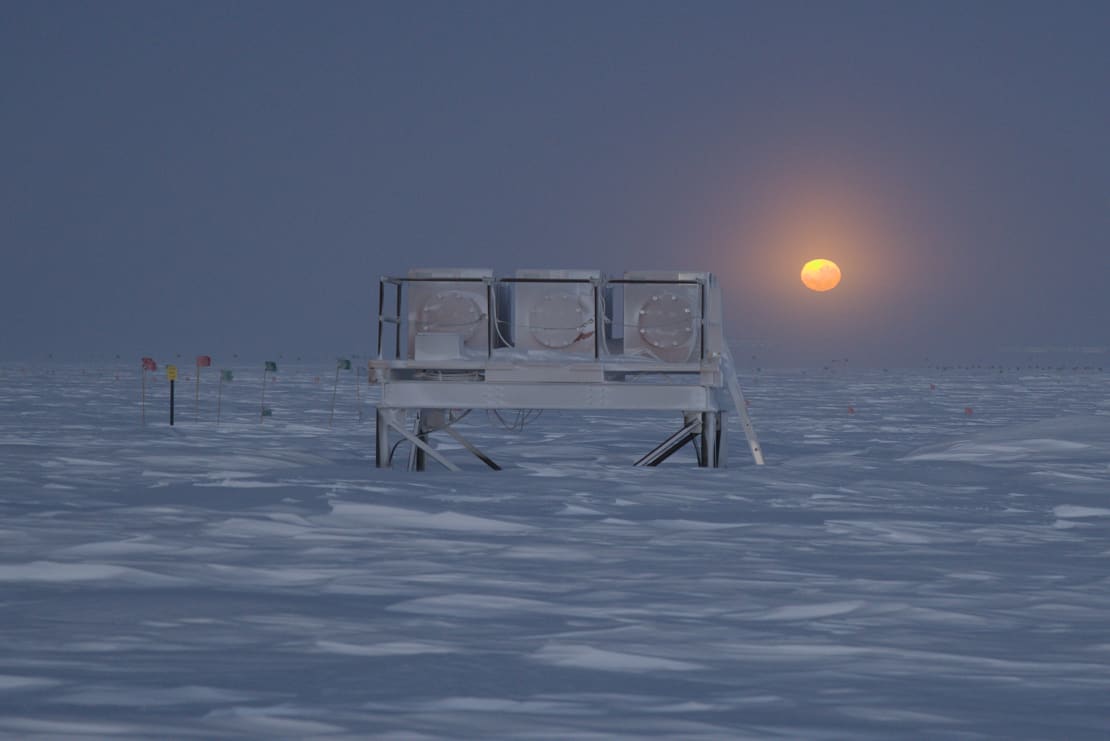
{"points": [[231, 176]]}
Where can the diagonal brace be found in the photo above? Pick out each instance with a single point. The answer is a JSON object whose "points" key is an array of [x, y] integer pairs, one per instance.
{"points": [[667, 448], [424, 446], [471, 447]]}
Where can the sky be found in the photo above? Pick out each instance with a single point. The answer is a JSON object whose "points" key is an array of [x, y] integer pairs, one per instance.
{"points": [[234, 177]]}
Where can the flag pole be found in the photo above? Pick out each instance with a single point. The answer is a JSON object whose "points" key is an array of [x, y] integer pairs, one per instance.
{"points": [[143, 395], [196, 397], [358, 394], [262, 406], [219, 397], [333, 390]]}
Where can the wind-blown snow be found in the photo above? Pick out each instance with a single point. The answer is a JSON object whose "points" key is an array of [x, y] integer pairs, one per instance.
{"points": [[907, 570]]}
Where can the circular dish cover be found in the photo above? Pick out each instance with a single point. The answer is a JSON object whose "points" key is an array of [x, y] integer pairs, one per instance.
{"points": [[561, 319], [456, 312], [666, 324]]}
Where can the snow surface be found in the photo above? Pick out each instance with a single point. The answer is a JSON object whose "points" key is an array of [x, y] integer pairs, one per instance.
{"points": [[906, 570]]}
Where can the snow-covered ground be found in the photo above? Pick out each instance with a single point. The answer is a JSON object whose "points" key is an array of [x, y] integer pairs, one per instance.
{"points": [[906, 570]]}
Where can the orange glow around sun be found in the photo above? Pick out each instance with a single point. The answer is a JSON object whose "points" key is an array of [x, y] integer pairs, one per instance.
{"points": [[820, 275]]}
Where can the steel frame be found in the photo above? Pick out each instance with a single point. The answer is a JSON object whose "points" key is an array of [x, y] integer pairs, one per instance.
{"points": [[606, 382]]}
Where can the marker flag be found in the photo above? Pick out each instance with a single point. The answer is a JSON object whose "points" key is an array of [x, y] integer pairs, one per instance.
{"points": [[203, 361], [225, 376], [264, 411], [340, 364], [148, 365]]}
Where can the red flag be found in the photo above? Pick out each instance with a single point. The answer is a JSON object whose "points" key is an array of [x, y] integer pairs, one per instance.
{"points": [[149, 364], [204, 361]]}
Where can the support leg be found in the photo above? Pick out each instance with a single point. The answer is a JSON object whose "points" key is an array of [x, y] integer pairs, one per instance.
{"points": [[742, 408], [381, 436], [722, 441], [710, 424], [418, 459]]}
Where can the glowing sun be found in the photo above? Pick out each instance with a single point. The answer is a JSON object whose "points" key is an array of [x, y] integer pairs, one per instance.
{"points": [[820, 275]]}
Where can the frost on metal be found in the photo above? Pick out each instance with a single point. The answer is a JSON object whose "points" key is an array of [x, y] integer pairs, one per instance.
{"points": [[452, 340]]}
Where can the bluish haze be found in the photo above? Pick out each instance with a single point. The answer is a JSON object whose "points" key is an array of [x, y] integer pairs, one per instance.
{"points": [[234, 177]]}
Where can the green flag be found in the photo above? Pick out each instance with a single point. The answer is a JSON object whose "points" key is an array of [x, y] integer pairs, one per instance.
{"points": [[267, 412], [271, 366], [226, 375], [344, 364]]}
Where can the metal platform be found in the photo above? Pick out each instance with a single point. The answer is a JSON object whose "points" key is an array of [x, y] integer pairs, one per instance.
{"points": [[453, 351]]}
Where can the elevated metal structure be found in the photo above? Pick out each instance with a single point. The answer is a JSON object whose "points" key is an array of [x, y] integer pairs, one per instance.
{"points": [[453, 340]]}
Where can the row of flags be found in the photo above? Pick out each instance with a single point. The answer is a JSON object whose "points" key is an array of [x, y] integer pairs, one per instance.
{"points": [[271, 366], [203, 361], [226, 376]]}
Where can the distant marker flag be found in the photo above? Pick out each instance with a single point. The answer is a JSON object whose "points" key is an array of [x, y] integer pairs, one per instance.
{"points": [[148, 365], [265, 411], [203, 361], [225, 377], [340, 364]]}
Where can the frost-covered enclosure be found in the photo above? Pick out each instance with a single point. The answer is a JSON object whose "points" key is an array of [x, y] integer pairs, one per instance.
{"points": [[903, 570], [558, 342]]}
